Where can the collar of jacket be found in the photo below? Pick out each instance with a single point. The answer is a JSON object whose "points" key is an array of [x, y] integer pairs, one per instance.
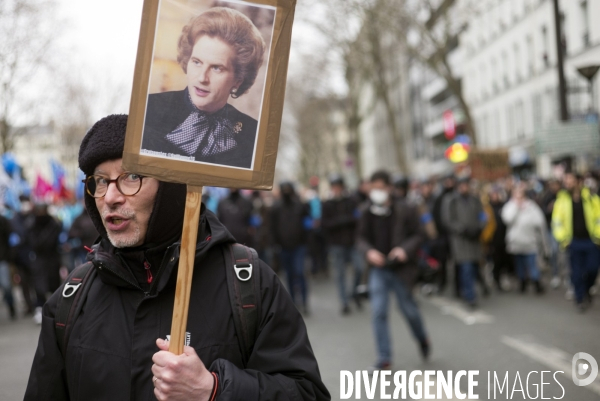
{"points": [[585, 194], [113, 270]]}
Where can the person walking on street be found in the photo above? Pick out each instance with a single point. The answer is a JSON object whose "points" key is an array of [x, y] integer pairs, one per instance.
{"points": [[20, 225], [547, 204], [116, 348], [339, 221], [5, 276], [576, 227], [390, 234], [235, 212], [440, 247], [500, 258], [43, 238], [525, 235], [290, 220], [464, 219]]}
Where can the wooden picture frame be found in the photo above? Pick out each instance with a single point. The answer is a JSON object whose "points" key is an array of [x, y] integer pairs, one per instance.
{"points": [[164, 129]]}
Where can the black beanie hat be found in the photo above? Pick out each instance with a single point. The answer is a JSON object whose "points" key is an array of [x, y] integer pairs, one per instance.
{"points": [[105, 141]]}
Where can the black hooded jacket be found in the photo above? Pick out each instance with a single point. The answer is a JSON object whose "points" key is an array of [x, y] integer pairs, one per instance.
{"points": [[109, 355]]}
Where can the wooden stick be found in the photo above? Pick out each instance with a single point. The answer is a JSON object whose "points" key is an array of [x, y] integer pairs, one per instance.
{"points": [[187, 254]]}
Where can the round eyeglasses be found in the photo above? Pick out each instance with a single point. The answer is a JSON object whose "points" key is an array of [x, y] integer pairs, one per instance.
{"points": [[128, 184]]}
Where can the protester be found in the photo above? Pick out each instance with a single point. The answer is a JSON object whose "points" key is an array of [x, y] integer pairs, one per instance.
{"points": [[464, 219], [290, 221], [113, 352], [339, 222], [82, 235], [525, 235], [547, 204], [501, 260], [235, 213], [440, 248], [5, 276], [20, 225], [261, 218], [43, 238], [575, 226], [390, 233], [316, 241], [429, 265]]}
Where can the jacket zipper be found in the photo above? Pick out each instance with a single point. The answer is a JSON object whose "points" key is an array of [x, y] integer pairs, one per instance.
{"points": [[136, 285], [163, 264], [148, 271]]}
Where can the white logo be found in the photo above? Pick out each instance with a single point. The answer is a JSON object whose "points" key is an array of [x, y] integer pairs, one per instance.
{"points": [[188, 338], [581, 368]]}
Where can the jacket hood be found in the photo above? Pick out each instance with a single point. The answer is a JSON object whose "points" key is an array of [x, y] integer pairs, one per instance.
{"points": [[211, 234]]}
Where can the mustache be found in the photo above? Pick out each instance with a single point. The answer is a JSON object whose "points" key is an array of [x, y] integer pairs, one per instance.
{"points": [[127, 213]]}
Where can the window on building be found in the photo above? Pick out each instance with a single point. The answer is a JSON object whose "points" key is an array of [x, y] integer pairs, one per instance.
{"points": [[519, 120], [510, 122], [585, 19], [530, 56], [536, 103], [504, 64], [482, 82], [517, 65], [494, 69]]}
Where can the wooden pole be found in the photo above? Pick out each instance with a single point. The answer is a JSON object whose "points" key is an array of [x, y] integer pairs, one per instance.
{"points": [[187, 254]]}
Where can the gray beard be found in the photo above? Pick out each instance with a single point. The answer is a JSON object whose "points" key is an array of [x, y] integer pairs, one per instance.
{"points": [[132, 240]]}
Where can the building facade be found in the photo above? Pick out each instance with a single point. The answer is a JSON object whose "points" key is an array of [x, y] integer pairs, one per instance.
{"points": [[511, 84]]}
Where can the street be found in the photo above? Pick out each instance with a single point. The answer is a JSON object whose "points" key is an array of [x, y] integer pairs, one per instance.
{"points": [[511, 333]]}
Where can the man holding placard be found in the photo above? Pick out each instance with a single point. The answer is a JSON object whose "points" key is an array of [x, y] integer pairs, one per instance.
{"points": [[115, 346]]}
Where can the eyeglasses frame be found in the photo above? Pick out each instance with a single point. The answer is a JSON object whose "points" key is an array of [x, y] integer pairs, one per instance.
{"points": [[109, 181]]}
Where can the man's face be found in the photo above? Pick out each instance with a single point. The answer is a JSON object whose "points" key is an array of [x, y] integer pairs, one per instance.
{"points": [[570, 182], [210, 74], [337, 190], [463, 188], [426, 189], [125, 218], [449, 183]]}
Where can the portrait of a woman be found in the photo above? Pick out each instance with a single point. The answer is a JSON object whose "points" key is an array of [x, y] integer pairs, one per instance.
{"points": [[220, 51]]}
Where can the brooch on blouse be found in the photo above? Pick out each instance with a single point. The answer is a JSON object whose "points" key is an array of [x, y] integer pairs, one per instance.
{"points": [[238, 127]]}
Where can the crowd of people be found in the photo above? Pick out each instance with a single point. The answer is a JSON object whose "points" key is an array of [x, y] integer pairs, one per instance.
{"points": [[480, 237], [410, 233], [39, 244]]}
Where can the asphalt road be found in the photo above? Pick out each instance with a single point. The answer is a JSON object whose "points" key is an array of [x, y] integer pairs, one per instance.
{"points": [[510, 333]]}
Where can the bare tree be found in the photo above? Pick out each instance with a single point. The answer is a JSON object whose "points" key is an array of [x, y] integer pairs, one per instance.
{"points": [[375, 37], [432, 30], [28, 34]]}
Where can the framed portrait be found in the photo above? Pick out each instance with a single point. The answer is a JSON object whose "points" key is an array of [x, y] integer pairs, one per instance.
{"points": [[208, 91]]}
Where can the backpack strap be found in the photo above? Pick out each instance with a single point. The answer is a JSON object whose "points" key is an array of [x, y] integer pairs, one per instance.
{"points": [[70, 303], [243, 284]]}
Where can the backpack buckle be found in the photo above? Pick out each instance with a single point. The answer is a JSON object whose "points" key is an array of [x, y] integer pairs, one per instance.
{"points": [[247, 268], [72, 287]]}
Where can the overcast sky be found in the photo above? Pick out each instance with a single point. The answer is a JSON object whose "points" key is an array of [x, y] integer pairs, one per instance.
{"points": [[102, 37]]}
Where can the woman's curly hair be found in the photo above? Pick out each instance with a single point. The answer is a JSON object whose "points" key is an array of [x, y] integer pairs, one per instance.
{"points": [[235, 29]]}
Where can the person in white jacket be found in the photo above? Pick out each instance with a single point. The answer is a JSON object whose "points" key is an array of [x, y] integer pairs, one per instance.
{"points": [[525, 235]]}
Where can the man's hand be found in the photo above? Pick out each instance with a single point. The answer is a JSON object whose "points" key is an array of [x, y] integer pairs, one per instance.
{"points": [[180, 377], [375, 258], [398, 254]]}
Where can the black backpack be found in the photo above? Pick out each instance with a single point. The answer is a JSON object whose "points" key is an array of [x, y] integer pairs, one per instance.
{"points": [[243, 282]]}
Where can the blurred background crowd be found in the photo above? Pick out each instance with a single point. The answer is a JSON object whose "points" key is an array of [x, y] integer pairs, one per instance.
{"points": [[475, 238]]}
